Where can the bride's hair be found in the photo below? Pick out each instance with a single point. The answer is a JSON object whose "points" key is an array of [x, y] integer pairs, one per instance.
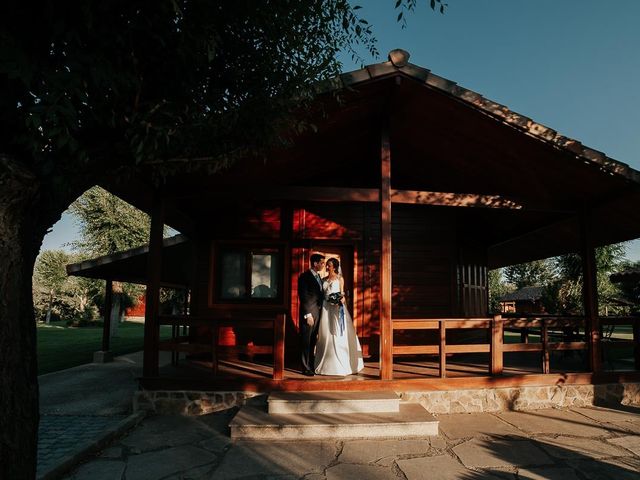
{"points": [[335, 263]]}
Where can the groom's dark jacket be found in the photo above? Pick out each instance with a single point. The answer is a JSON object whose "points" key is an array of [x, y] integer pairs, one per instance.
{"points": [[310, 295]]}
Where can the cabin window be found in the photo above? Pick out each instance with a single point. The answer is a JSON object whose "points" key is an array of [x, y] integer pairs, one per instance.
{"points": [[249, 274]]}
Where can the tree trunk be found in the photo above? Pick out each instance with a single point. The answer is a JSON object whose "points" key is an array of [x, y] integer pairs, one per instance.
{"points": [[47, 320], [19, 244]]}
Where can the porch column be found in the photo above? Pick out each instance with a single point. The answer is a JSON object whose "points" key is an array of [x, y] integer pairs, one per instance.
{"points": [[105, 355], [386, 328], [154, 269], [590, 292]]}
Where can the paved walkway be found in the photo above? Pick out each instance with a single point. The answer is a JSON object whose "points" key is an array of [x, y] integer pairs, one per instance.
{"points": [[580, 443], [78, 406]]}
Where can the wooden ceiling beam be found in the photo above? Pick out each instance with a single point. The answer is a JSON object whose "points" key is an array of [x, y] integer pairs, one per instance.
{"points": [[407, 197]]}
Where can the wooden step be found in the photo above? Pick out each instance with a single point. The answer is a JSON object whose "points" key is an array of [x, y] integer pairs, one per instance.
{"points": [[411, 421], [333, 402]]}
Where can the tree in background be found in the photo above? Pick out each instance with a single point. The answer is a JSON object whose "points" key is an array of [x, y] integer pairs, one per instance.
{"points": [[108, 225], [49, 277], [58, 296], [530, 274], [561, 279], [630, 287], [564, 294], [497, 289]]}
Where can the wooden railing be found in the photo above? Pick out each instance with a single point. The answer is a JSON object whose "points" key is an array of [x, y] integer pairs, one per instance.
{"points": [[610, 341], [556, 333], [181, 343]]}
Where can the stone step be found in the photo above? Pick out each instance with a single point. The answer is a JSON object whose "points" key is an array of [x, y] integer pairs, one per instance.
{"points": [[333, 402], [257, 424]]}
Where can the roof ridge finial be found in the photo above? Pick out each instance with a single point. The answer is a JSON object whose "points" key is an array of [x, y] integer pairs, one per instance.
{"points": [[399, 57]]}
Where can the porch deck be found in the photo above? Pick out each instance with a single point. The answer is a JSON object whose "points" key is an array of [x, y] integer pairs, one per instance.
{"points": [[464, 371], [535, 350]]}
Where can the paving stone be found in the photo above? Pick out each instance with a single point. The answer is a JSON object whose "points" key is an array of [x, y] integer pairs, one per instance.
{"points": [[199, 473], [612, 469], [502, 473], [113, 452], [553, 421], [217, 444], [382, 451], [162, 463], [315, 476], [549, 473], [631, 442], [474, 424], [99, 470], [485, 453], [438, 442], [60, 436], [370, 472], [440, 467], [166, 431], [608, 415], [572, 447], [624, 427], [246, 458]]}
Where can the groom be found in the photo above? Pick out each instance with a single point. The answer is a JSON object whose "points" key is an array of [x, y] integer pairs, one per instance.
{"points": [[311, 297]]}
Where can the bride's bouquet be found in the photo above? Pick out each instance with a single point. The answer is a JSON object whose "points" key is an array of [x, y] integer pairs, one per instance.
{"points": [[335, 298]]}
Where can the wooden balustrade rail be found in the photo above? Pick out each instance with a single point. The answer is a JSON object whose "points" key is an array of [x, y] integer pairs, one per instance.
{"points": [[634, 322], [549, 327], [180, 343]]}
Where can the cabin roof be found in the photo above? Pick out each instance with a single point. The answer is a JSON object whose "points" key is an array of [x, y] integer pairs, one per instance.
{"points": [[524, 294], [398, 63], [628, 275], [444, 138], [131, 265]]}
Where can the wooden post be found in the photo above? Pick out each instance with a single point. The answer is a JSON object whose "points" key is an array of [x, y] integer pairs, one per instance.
{"points": [[278, 346], [590, 293], [106, 326], [636, 342], [497, 340], [443, 348], [215, 334], [386, 328], [154, 269], [544, 339]]}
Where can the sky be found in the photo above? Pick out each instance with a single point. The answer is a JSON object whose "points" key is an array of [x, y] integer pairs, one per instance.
{"points": [[573, 65]]}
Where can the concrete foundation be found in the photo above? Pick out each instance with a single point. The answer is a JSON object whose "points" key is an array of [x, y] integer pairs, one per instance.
{"points": [[441, 402], [102, 357]]}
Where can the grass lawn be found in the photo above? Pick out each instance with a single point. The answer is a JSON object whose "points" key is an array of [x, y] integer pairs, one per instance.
{"points": [[61, 347]]}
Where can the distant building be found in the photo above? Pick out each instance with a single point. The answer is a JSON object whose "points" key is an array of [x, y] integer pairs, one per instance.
{"points": [[525, 300]]}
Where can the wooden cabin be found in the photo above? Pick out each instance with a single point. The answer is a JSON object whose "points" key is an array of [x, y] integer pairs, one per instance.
{"points": [[524, 300], [419, 187]]}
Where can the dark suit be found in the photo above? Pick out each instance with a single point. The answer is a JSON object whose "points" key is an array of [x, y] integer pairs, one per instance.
{"points": [[311, 297]]}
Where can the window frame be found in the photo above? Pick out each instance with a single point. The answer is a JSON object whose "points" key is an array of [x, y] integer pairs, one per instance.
{"points": [[249, 248]]}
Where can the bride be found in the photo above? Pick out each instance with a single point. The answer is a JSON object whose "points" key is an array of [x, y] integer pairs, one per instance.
{"points": [[338, 350]]}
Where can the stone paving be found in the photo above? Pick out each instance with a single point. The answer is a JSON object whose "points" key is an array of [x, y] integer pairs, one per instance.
{"points": [[579, 443], [60, 435], [78, 405]]}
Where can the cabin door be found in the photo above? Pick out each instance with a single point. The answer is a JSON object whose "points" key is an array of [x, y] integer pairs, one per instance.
{"points": [[345, 255]]}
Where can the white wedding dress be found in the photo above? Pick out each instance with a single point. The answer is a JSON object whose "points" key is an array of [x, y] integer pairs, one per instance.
{"points": [[338, 350]]}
